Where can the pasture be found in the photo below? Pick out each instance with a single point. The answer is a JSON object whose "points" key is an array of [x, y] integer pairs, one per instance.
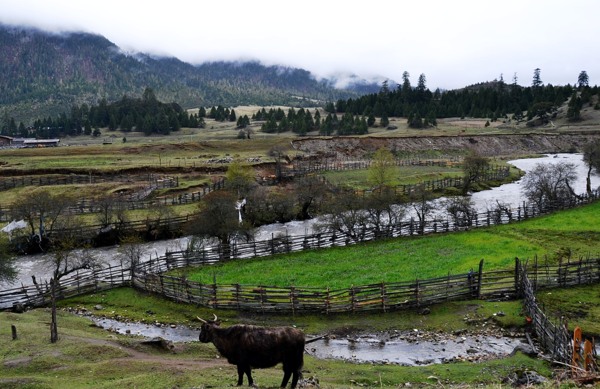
{"points": [[86, 357], [574, 232]]}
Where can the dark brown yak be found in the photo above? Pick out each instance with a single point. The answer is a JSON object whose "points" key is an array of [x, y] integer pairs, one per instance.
{"points": [[250, 347]]}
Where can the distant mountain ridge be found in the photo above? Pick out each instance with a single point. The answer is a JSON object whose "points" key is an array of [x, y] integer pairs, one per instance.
{"points": [[43, 74]]}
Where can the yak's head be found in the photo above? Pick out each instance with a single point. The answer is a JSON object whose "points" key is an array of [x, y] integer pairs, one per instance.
{"points": [[206, 330]]}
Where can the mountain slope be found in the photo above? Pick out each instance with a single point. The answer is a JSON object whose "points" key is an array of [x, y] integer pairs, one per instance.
{"points": [[43, 74]]}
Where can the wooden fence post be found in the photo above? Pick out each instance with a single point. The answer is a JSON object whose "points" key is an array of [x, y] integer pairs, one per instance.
{"points": [[293, 300], [517, 280], [214, 295], [14, 332], [237, 295], [383, 297], [479, 278], [417, 292]]}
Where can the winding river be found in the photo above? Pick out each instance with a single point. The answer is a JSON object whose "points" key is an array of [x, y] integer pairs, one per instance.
{"points": [[507, 193]]}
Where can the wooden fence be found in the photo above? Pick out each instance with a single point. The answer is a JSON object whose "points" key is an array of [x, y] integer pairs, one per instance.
{"points": [[383, 297], [79, 283], [74, 179], [85, 206], [304, 166], [287, 244], [554, 336]]}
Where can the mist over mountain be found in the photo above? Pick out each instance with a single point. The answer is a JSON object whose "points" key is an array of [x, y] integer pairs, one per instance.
{"points": [[43, 74]]}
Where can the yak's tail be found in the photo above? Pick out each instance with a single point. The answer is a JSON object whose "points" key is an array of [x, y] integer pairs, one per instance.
{"points": [[315, 339]]}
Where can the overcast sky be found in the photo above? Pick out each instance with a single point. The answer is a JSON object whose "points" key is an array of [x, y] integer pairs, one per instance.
{"points": [[453, 42]]}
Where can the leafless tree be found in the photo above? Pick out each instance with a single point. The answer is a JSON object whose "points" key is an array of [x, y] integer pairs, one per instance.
{"points": [[42, 211], [64, 261], [499, 211], [109, 211], [549, 184], [384, 211], [461, 210], [131, 252], [345, 215], [420, 200], [268, 205], [159, 221]]}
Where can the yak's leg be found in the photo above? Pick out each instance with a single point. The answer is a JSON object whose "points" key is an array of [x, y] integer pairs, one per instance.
{"points": [[286, 377], [295, 377], [249, 374], [240, 370]]}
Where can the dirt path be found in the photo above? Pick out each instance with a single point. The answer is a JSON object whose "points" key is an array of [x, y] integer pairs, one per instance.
{"points": [[139, 356]]}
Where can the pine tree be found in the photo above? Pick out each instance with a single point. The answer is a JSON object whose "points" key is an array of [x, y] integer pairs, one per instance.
{"points": [[537, 81], [582, 80]]}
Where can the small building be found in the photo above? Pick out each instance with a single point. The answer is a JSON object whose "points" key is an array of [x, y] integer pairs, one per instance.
{"points": [[5, 140], [41, 142]]}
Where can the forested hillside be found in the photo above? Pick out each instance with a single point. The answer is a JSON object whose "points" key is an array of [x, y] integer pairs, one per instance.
{"points": [[44, 74], [495, 100]]}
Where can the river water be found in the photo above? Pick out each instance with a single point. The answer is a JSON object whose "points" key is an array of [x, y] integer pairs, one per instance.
{"points": [[409, 348], [507, 193]]}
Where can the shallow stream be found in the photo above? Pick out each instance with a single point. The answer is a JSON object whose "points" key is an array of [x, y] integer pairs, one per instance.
{"points": [[410, 348]]}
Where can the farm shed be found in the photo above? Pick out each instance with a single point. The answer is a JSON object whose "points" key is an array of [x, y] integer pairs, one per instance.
{"points": [[5, 140]]}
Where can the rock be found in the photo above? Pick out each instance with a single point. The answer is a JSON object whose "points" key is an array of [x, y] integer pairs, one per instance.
{"points": [[525, 378], [98, 307], [525, 349], [310, 382], [426, 311], [160, 343], [18, 308]]}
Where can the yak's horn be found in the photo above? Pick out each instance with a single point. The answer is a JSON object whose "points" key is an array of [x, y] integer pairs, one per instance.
{"points": [[215, 319], [202, 320]]}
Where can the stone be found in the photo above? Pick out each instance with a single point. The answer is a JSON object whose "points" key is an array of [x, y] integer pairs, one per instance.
{"points": [[525, 349]]}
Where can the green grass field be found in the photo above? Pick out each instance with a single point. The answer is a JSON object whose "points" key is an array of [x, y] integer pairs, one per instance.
{"points": [[403, 259]]}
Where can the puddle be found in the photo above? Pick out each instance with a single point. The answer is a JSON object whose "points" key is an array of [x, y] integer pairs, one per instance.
{"points": [[410, 349]]}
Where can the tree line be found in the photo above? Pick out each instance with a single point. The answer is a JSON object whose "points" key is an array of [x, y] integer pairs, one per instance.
{"points": [[303, 121], [495, 100], [145, 114]]}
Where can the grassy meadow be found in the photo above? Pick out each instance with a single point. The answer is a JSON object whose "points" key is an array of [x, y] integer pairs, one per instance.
{"points": [[575, 231], [89, 357]]}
